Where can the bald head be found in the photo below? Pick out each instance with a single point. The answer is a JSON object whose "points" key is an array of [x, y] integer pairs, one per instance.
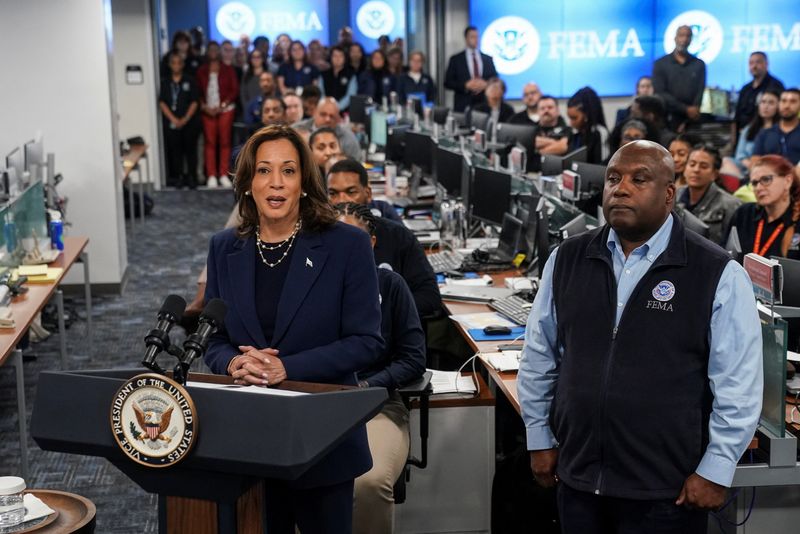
{"points": [[639, 191], [531, 95], [327, 113]]}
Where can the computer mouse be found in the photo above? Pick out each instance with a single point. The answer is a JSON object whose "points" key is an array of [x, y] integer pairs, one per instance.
{"points": [[496, 330]]}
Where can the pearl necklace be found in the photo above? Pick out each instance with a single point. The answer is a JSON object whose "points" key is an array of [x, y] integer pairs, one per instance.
{"points": [[290, 240]]}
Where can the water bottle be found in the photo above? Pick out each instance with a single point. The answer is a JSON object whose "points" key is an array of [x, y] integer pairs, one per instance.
{"points": [[12, 509], [446, 220], [56, 232], [459, 223], [393, 101]]}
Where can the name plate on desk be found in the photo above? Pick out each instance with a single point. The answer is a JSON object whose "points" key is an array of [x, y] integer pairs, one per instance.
{"points": [[766, 277], [154, 420]]}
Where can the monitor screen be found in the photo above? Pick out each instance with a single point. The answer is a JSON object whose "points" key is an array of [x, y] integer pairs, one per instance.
{"points": [[574, 227], [358, 108], [34, 155], [565, 45], [478, 120], [449, 170], [521, 134], [510, 232], [304, 20], [490, 195], [552, 165], [419, 151], [378, 129], [16, 160], [592, 177]]}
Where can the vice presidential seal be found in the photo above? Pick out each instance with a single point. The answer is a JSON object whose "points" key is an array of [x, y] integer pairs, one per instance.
{"points": [[153, 420]]}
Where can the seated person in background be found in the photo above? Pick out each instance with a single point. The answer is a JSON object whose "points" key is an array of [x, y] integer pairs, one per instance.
{"points": [[495, 104], [702, 196], [632, 130], [651, 110], [415, 80], [679, 149], [530, 97], [768, 227], [402, 362], [273, 111], [739, 164], [348, 182], [783, 138], [551, 132], [252, 111], [324, 145], [644, 87], [310, 97], [294, 107], [397, 248], [327, 115], [585, 114], [747, 103]]}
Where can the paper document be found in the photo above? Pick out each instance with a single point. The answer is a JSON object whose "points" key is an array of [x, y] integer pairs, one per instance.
{"points": [[246, 389], [792, 356], [481, 320], [504, 361], [451, 382], [482, 281]]}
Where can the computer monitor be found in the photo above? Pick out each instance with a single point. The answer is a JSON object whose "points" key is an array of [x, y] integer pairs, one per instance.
{"points": [[526, 205], [450, 170], [478, 120], [490, 194], [419, 101], [791, 281], [419, 151], [378, 128], [552, 165], [574, 227], [510, 233], [358, 108], [461, 119], [579, 154], [34, 155], [512, 134], [440, 114], [395, 141], [16, 160], [592, 177], [715, 102]]}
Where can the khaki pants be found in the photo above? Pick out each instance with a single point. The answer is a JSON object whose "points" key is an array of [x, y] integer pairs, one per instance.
{"points": [[373, 509]]}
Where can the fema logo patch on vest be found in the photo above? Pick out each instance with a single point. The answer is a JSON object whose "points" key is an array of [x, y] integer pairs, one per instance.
{"points": [[664, 291]]}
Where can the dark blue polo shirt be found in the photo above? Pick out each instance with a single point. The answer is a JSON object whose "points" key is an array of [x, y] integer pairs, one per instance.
{"points": [[775, 141]]}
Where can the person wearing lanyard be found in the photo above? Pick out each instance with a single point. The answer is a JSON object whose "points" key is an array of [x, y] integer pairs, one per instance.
{"points": [[178, 103], [768, 226]]}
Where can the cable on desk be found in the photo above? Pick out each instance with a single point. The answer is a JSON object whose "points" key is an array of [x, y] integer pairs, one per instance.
{"points": [[474, 374]]}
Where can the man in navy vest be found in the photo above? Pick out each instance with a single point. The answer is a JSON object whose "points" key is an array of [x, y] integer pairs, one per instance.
{"points": [[641, 377]]}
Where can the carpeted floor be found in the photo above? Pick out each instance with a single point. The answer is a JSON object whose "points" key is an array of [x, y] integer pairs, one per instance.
{"points": [[164, 257]]}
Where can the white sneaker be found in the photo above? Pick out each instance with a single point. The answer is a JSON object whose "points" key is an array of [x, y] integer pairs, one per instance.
{"points": [[225, 182], [212, 182]]}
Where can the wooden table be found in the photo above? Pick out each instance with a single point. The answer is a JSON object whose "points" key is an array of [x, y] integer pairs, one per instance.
{"points": [[130, 163], [25, 308], [76, 514]]}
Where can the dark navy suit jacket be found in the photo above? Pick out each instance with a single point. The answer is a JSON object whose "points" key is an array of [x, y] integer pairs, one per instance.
{"points": [[328, 323], [457, 75]]}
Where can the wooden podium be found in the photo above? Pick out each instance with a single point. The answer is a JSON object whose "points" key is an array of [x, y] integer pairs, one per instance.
{"points": [[218, 488]]}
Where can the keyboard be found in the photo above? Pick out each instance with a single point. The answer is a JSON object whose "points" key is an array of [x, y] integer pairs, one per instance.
{"points": [[516, 309], [444, 261]]}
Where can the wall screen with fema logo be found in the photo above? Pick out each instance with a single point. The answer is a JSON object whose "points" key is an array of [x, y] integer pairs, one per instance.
{"points": [[372, 18], [566, 45], [301, 19]]}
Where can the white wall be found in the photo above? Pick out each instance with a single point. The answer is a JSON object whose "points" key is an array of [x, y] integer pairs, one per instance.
{"points": [[137, 104], [56, 79]]}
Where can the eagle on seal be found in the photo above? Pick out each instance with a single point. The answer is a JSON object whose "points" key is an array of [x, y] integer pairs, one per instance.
{"points": [[153, 423]]}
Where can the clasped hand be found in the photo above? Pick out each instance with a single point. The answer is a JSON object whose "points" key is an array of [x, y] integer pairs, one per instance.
{"points": [[257, 367]]}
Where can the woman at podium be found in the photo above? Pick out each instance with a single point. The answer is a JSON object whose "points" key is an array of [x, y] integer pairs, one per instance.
{"points": [[303, 304]]}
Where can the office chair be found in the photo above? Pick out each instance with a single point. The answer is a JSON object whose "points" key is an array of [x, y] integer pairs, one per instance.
{"points": [[419, 389]]}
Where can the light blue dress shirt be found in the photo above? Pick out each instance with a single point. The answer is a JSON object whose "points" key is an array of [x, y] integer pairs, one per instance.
{"points": [[735, 370]]}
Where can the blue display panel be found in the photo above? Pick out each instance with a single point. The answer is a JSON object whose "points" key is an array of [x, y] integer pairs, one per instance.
{"points": [[372, 18], [566, 45], [301, 19]]}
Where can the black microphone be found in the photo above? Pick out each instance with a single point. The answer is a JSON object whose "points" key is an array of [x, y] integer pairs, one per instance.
{"points": [[158, 338], [211, 320]]}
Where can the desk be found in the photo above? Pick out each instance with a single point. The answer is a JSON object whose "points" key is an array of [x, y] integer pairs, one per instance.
{"points": [[25, 309], [130, 163]]}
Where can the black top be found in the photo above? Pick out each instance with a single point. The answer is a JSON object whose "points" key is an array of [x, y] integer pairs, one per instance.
{"points": [[178, 96], [335, 85], [775, 141], [680, 85], [559, 131], [746, 105], [403, 359], [293, 78], [269, 286], [398, 248], [746, 219], [406, 86], [522, 117], [506, 111], [595, 139]]}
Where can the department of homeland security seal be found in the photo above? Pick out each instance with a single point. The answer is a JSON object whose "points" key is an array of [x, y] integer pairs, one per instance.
{"points": [[664, 291], [154, 420]]}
